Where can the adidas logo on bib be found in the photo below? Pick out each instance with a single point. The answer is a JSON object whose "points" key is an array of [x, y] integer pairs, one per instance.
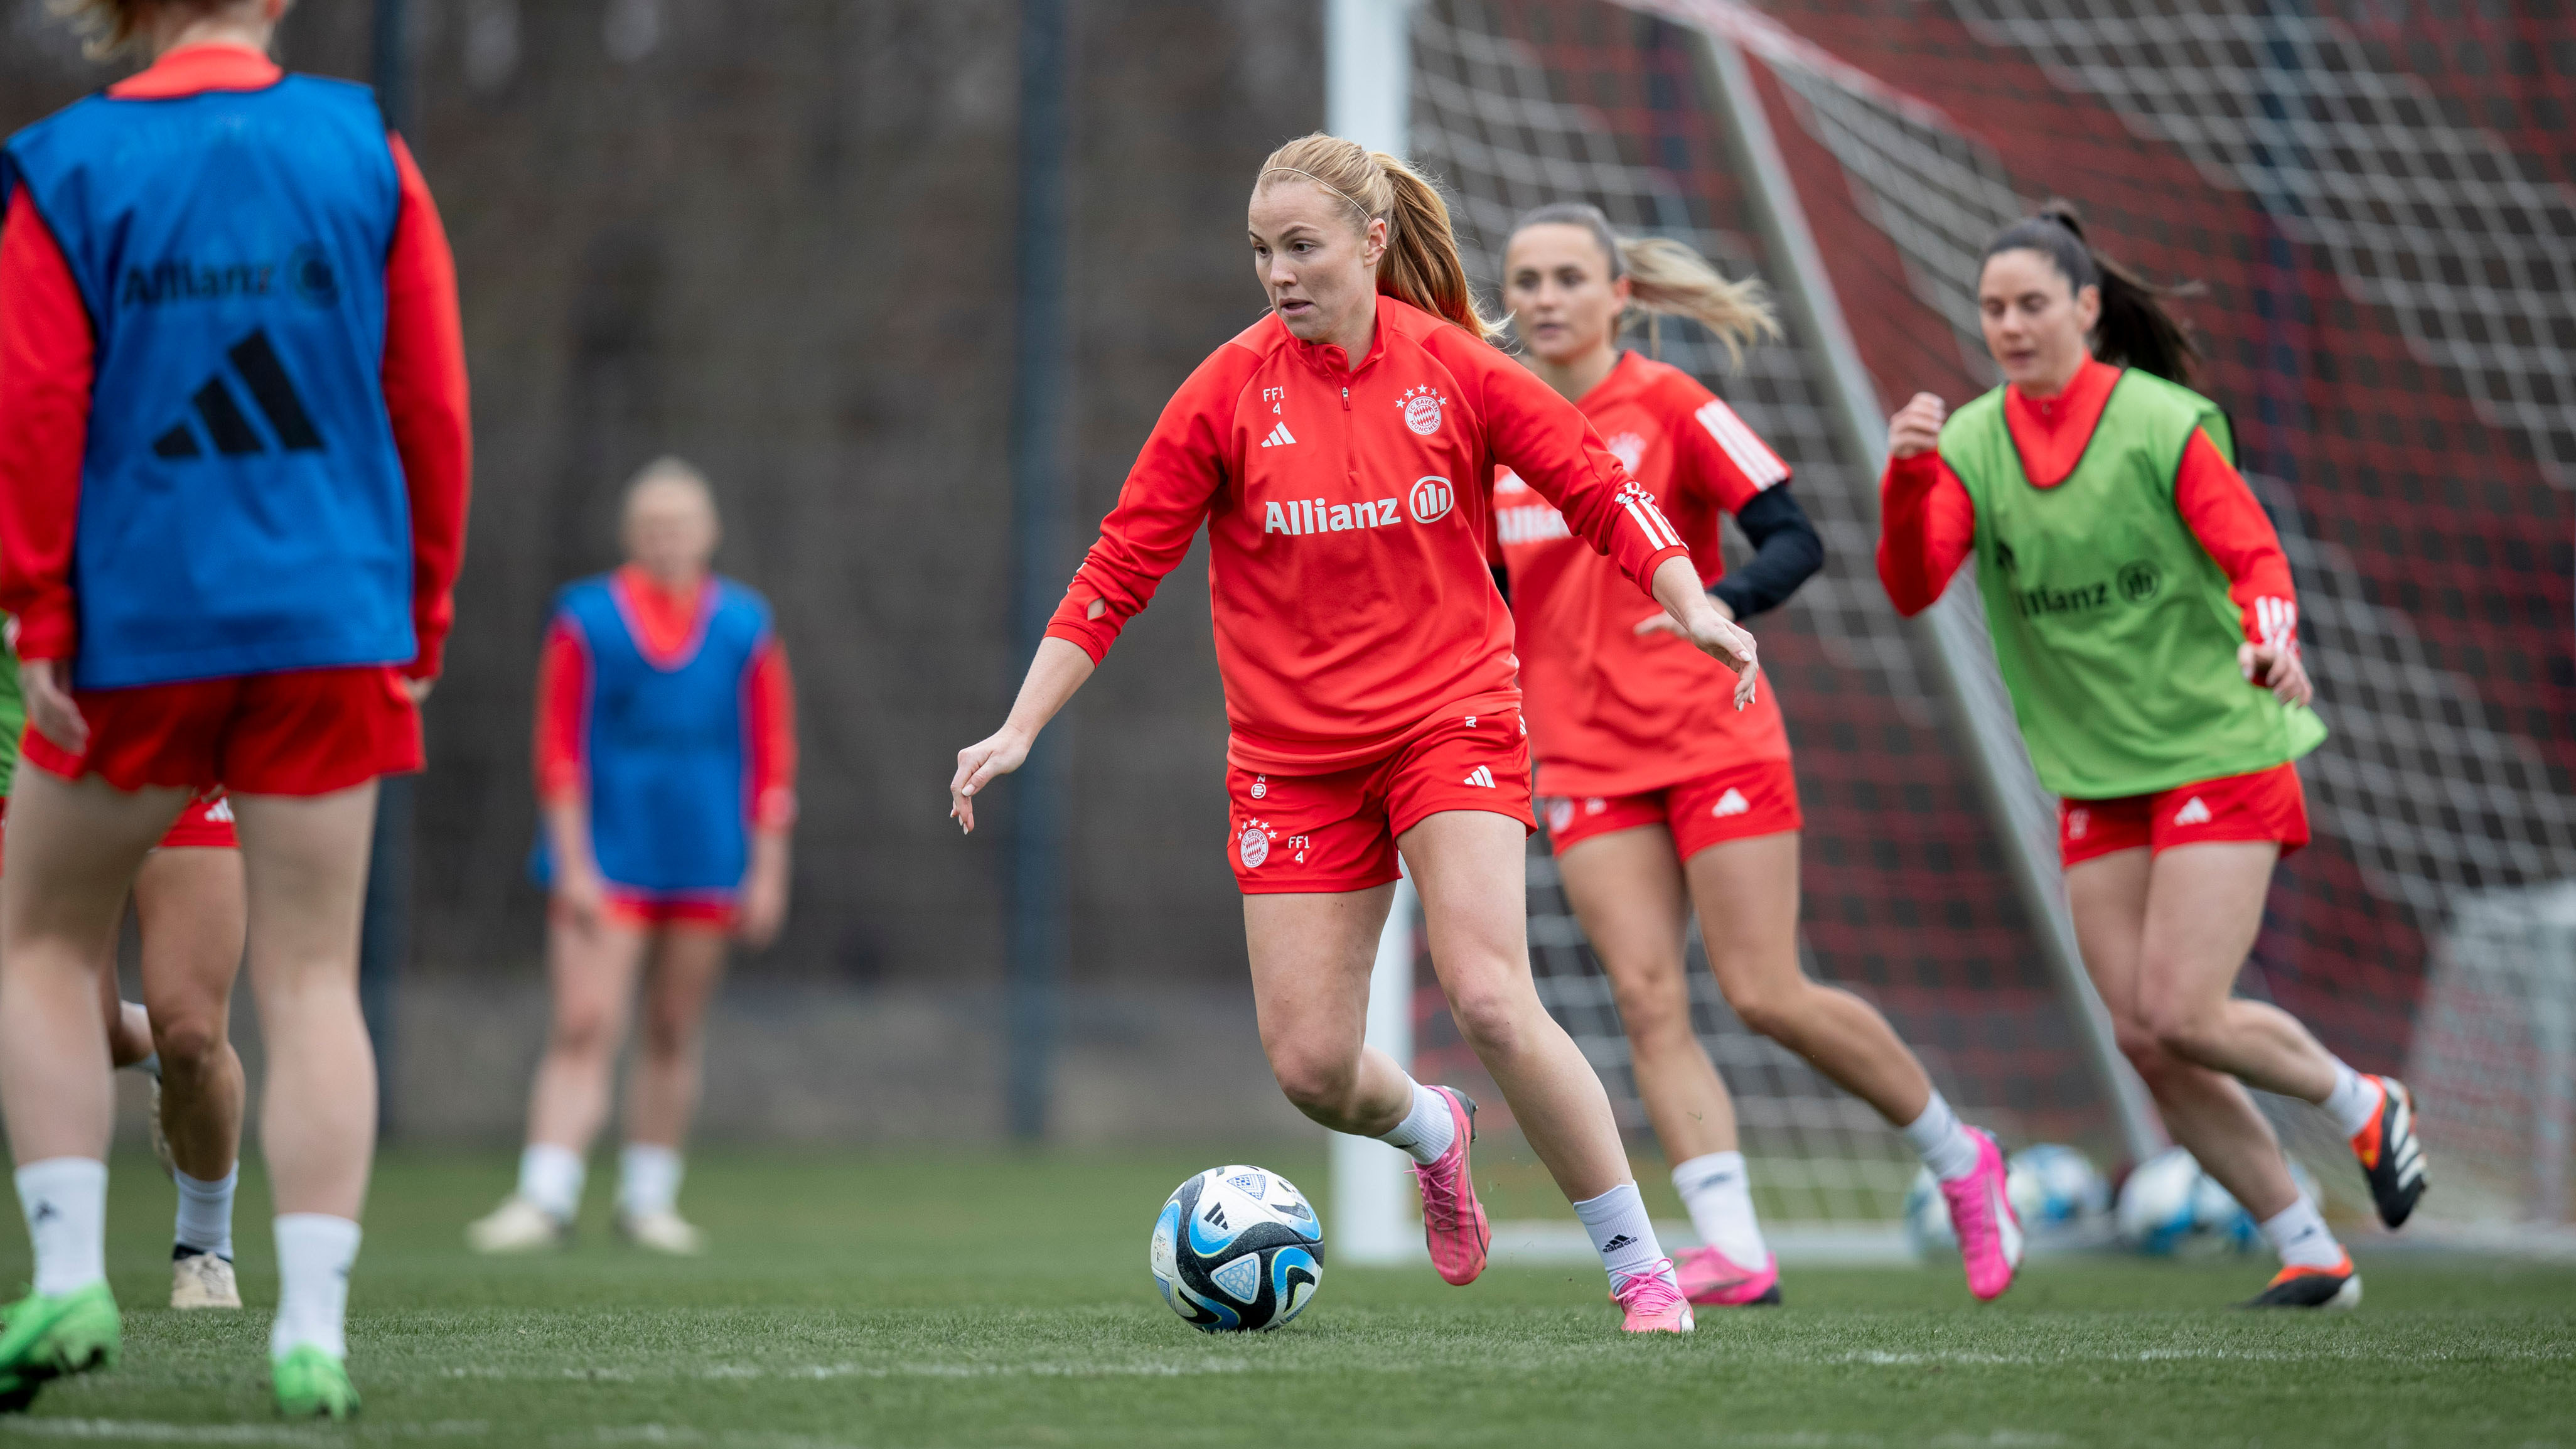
{"points": [[2193, 812], [1481, 777], [1732, 803]]}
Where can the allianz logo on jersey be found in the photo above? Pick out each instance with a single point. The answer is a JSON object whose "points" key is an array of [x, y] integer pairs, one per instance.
{"points": [[306, 273], [2136, 583], [1532, 522], [1427, 501]]}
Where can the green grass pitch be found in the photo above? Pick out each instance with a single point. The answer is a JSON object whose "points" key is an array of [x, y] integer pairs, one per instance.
{"points": [[889, 1299]]}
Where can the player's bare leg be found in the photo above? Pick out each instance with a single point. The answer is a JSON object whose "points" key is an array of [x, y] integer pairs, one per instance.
{"points": [[662, 1091], [592, 966], [190, 903], [2113, 898], [73, 848], [1468, 867], [305, 860], [1631, 897]]}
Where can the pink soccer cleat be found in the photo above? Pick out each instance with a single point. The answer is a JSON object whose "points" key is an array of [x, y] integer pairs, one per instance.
{"points": [[1653, 1304], [1453, 1222], [1981, 1213], [1714, 1280]]}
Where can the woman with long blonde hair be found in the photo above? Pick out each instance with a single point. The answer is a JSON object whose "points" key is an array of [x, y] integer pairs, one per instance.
{"points": [[1337, 452]]}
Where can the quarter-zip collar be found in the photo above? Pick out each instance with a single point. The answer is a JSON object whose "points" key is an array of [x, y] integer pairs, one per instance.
{"points": [[1330, 360]]}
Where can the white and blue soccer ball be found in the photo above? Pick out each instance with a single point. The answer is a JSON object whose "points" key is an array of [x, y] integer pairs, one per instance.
{"points": [[2054, 1190], [1237, 1248], [2170, 1206]]}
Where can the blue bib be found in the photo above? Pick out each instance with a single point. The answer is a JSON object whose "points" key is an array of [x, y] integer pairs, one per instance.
{"points": [[242, 506], [669, 758]]}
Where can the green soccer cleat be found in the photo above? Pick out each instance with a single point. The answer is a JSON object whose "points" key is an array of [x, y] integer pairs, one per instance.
{"points": [[52, 1335], [312, 1384]]}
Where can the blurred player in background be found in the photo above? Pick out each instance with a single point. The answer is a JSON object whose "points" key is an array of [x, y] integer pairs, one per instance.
{"points": [[1658, 793], [233, 461], [1338, 452], [188, 909], [2143, 615], [666, 778]]}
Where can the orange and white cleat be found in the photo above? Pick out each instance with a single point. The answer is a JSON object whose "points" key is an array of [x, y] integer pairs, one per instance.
{"points": [[2391, 1156], [2303, 1286]]}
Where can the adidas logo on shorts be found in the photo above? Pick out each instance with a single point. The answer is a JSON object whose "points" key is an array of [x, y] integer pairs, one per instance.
{"points": [[2193, 812], [1481, 777], [1732, 803]]}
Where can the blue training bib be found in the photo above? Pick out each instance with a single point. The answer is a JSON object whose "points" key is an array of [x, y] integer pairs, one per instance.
{"points": [[243, 508]]}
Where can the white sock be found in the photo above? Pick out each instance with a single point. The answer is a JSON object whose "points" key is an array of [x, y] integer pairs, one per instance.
{"points": [[550, 1177], [206, 1213], [65, 1200], [1621, 1233], [648, 1179], [2300, 1236], [2354, 1100], [150, 1066], [1427, 1130], [1944, 1145], [314, 1251], [1720, 1198]]}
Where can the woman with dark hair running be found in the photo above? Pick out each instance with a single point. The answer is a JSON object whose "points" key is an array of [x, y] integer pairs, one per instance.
{"points": [[1658, 795], [233, 461], [1337, 453], [2143, 615]]}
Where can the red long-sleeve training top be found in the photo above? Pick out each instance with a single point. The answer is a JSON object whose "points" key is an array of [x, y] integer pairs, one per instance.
{"points": [[1929, 525], [667, 622], [1347, 511], [48, 351]]}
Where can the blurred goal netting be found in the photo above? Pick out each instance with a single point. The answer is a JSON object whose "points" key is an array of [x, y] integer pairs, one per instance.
{"points": [[2379, 208]]}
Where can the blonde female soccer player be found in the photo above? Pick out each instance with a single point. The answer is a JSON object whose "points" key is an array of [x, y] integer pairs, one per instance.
{"points": [[666, 776], [1660, 795], [2143, 614], [1338, 453]]}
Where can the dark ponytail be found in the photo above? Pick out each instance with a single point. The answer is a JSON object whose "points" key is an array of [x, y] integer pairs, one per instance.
{"points": [[2136, 329]]}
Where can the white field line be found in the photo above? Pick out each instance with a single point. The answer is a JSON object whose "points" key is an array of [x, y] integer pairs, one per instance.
{"points": [[149, 1431]]}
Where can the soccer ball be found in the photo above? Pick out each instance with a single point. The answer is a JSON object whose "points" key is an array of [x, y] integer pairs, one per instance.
{"points": [[2168, 1205], [2054, 1188], [1237, 1248], [1927, 1219]]}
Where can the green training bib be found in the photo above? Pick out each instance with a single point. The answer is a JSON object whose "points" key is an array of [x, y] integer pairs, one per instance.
{"points": [[2112, 624]]}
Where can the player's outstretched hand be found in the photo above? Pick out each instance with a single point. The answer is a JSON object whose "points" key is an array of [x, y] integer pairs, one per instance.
{"points": [[1916, 428], [50, 707], [1006, 750], [2278, 668], [764, 900]]}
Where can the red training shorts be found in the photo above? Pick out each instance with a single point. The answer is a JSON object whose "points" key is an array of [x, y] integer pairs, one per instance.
{"points": [[204, 825], [1740, 802], [304, 732], [2264, 805], [1336, 832], [649, 913]]}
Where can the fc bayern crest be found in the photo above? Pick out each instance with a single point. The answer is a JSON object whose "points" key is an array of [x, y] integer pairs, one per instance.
{"points": [[1254, 846], [1422, 410]]}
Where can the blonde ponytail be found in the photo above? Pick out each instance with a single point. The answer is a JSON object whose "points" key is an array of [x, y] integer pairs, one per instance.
{"points": [[1421, 265], [1668, 279]]}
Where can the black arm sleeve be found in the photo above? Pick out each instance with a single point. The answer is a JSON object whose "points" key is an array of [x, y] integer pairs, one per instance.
{"points": [[1786, 551]]}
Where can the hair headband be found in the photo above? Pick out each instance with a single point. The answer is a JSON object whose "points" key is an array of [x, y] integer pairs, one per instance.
{"points": [[1320, 181]]}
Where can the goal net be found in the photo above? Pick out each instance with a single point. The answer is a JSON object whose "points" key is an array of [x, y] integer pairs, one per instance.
{"points": [[2388, 243]]}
